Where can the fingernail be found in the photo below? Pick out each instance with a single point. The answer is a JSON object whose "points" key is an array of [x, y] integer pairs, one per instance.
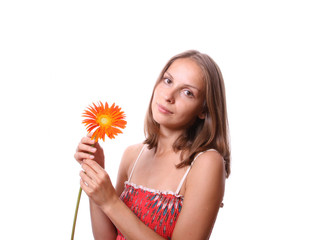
{"points": [[92, 157]]}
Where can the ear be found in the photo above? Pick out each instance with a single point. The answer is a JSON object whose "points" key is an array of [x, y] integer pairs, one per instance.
{"points": [[202, 115]]}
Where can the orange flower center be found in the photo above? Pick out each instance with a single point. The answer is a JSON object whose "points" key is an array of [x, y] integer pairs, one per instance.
{"points": [[104, 120]]}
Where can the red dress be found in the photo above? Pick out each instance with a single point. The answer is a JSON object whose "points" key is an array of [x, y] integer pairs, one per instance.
{"points": [[157, 209]]}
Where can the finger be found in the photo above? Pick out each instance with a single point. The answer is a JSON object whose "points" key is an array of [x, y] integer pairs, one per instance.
{"points": [[94, 165], [89, 171], [88, 140], [86, 180], [80, 156], [85, 187], [86, 148]]}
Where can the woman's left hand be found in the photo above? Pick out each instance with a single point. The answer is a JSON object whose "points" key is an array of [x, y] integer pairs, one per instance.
{"points": [[96, 183]]}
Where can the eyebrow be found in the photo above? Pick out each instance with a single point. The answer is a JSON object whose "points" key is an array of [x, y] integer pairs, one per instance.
{"points": [[170, 75]]}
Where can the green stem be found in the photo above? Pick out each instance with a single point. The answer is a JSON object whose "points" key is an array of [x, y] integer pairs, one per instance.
{"points": [[76, 210]]}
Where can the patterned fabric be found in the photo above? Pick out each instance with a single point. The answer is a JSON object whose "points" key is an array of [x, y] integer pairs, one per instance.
{"points": [[158, 210]]}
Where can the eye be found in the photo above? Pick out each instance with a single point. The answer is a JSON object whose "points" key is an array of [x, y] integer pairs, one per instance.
{"points": [[167, 80], [188, 93]]}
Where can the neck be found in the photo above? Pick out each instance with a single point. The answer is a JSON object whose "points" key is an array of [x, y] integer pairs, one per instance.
{"points": [[166, 140]]}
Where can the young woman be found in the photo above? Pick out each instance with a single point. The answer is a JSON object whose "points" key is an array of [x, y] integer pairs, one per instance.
{"points": [[171, 186]]}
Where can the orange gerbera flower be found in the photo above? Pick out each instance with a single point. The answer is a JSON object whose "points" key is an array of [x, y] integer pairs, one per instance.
{"points": [[104, 120]]}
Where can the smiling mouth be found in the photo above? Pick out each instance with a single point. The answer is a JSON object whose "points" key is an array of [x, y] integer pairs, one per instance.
{"points": [[163, 109]]}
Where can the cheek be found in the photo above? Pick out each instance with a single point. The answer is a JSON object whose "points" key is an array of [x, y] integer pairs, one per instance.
{"points": [[191, 111], [154, 100], [155, 93]]}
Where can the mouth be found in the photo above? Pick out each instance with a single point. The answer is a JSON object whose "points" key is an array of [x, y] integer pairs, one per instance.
{"points": [[163, 109]]}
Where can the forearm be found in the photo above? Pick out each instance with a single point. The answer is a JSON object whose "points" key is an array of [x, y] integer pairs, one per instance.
{"points": [[102, 227], [128, 223]]}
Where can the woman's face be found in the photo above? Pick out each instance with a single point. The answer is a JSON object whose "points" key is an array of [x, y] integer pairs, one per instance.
{"points": [[179, 96]]}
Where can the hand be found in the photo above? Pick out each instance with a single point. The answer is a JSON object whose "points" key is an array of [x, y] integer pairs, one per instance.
{"points": [[90, 149], [96, 183]]}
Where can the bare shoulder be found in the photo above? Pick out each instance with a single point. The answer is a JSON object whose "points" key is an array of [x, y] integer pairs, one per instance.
{"points": [[207, 172], [129, 156], [209, 160], [131, 153]]}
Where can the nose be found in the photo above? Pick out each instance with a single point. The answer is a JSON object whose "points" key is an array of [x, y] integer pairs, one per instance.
{"points": [[169, 96]]}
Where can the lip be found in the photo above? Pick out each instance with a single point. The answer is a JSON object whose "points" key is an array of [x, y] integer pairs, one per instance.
{"points": [[163, 109]]}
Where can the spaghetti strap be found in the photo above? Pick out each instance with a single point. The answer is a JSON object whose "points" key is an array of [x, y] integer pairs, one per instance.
{"points": [[135, 163], [185, 175]]}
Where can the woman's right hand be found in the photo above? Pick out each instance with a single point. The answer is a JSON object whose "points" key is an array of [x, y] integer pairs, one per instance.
{"points": [[89, 149]]}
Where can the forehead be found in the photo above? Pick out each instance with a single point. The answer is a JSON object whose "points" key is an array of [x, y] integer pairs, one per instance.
{"points": [[186, 71]]}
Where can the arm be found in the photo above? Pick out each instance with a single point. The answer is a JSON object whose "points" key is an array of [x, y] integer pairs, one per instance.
{"points": [[102, 227], [97, 185], [204, 190]]}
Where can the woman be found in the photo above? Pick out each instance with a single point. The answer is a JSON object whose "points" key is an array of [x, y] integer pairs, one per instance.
{"points": [[171, 186]]}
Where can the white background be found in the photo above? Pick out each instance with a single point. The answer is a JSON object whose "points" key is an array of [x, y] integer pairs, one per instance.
{"points": [[57, 57]]}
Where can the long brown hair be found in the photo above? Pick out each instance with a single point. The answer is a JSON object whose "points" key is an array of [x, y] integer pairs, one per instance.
{"points": [[203, 134]]}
